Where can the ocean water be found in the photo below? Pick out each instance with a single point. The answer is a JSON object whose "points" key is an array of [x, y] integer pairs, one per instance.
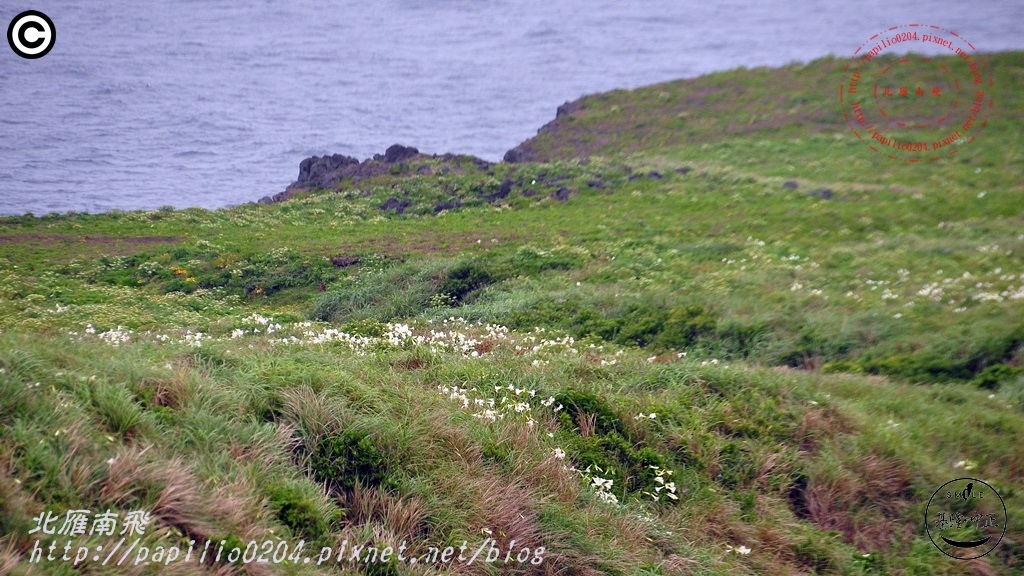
{"points": [[208, 103]]}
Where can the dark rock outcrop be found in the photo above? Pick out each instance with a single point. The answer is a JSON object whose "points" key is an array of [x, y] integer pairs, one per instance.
{"points": [[328, 171], [568, 108], [395, 204], [503, 192], [516, 156], [279, 197], [322, 171], [399, 153], [449, 205]]}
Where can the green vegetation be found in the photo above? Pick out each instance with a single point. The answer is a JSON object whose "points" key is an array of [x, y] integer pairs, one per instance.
{"points": [[707, 331]]}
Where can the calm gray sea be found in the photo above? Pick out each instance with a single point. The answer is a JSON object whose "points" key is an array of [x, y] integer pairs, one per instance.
{"points": [[212, 103]]}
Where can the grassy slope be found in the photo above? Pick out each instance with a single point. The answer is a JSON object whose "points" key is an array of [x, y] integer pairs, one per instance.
{"points": [[844, 356]]}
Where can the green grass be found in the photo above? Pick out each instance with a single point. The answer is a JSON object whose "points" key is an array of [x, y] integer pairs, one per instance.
{"points": [[641, 352]]}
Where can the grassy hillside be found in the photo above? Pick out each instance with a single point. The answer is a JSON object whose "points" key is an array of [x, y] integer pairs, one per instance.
{"points": [[700, 329]]}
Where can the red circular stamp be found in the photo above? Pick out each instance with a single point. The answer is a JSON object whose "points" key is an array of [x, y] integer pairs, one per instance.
{"points": [[915, 108]]}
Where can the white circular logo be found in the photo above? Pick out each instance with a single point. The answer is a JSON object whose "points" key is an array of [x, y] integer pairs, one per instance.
{"points": [[31, 34]]}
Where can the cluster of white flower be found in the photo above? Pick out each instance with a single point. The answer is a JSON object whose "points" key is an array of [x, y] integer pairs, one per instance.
{"points": [[453, 335], [876, 283], [398, 335], [468, 346], [150, 268], [193, 338], [359, 344], [506, 401], [1010, 293], [994, 286], [932, 291], [966, 464], [549, 401], [114, 337], [742, 550], [254, 321], [664, 487], [602, 486], [565, 344]]}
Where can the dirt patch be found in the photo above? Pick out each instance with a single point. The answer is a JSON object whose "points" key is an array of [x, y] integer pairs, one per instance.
{"points": [[429, 242], [344, 261], [66, 247], [65, 239]]}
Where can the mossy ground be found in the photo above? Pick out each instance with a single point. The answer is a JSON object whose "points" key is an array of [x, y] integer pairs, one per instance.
{"points": [[649, 304]]}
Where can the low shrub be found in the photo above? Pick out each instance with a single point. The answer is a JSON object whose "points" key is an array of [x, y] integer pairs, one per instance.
{"points": [[580, 403], [468, 277], [298, 512], [342, 460], [993, 377]]}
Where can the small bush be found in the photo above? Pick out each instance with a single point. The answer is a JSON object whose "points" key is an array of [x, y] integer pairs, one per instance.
{"points": [[396, 292], [550, 312], [920, 366], [186, 269], [816, 554], [529, 260], [994, 376], [118, 410], [577, 402], [735, 466], [209, 357], [341, 461], [963, 358], [590, 322], [224, 546], [366, 328], [814, 346], [469, 277], [640, 324], [628, 466], [733, 337], [606, 445], [497, 452], [298, 512], [685, 325]]}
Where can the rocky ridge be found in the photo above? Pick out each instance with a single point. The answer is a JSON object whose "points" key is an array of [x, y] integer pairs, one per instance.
{"points": [[326, 171]]}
